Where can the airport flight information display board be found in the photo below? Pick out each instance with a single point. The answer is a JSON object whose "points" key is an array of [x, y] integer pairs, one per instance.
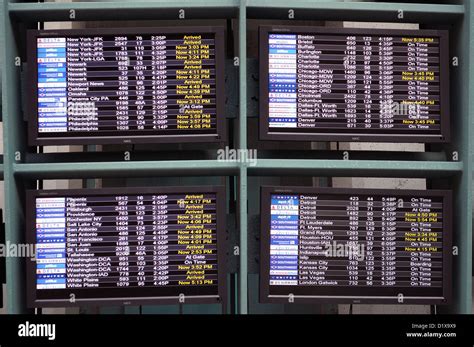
{"points": [[324, 84], [355, 245], [126, 246], [126, 85]]}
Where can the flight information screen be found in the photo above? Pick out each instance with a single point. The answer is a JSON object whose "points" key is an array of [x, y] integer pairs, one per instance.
{"points": [[126, 246], [119, 86], [354, 84], [353, 245]]}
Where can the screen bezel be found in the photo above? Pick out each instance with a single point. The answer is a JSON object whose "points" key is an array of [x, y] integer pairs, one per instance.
{"points": [[265, 297], [221, 298], [34, 139], [332, 135]]}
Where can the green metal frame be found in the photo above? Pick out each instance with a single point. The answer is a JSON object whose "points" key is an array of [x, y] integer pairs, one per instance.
{"points": [[18, 174]]}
